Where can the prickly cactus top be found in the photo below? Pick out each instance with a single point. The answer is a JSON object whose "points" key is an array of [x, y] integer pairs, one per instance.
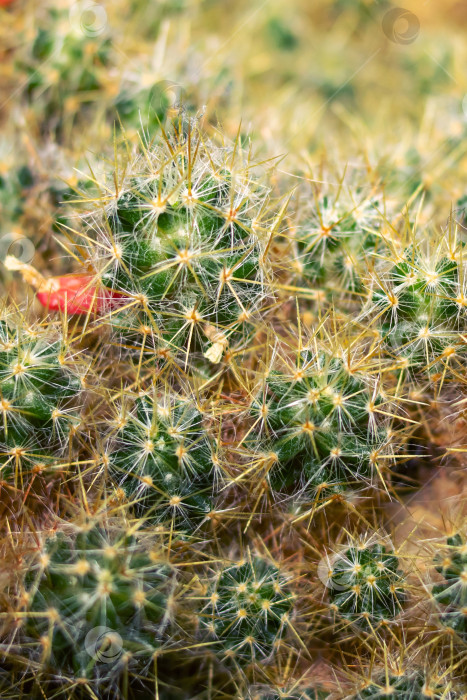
{"points": [[159, 453], [248, 609], [86, 587], [451, 595], [40, 388], [185, 240], [366, 585]]}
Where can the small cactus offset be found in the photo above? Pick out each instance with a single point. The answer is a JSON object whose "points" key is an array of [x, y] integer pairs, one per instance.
{"points": [[366, 585], [249, 606], [421, 303], [332, 235], [323, 420], [451, 595], [233, 357], [37, 379], [161, 457], [42, 389]]}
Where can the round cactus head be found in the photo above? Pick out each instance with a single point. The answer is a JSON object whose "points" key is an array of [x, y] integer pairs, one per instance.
{"points": [[94, 600], [336, 230], [162, 458], [451, 594], [36, 379], [417, 299], [40, 387], [184, 240], [324, 423], [248, 609], [365, 584]]}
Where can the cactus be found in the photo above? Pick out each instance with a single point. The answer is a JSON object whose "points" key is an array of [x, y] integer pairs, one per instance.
{"points": [[73, 74], [421, 305], [161, 457], [13, 185], [183, 242], [323, 422], [365, 585], [248, 609], [64, 67], [215, 420], [40, 388], [406, 686], [35, 379], [332, 235], [94, 601], [451, 595]]}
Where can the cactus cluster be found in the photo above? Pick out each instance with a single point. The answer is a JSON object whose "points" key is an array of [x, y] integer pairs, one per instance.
{"points": [[232, 387], [192, 433]]}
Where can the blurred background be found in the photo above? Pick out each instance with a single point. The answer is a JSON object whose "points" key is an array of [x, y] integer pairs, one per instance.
{"points": [[362, 86]]}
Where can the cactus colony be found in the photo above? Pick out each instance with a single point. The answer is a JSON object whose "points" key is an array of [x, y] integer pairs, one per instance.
{"points": [[213, 401]]}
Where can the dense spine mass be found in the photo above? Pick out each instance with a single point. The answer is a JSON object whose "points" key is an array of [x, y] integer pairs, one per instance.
{"points": [[208, 427]]}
